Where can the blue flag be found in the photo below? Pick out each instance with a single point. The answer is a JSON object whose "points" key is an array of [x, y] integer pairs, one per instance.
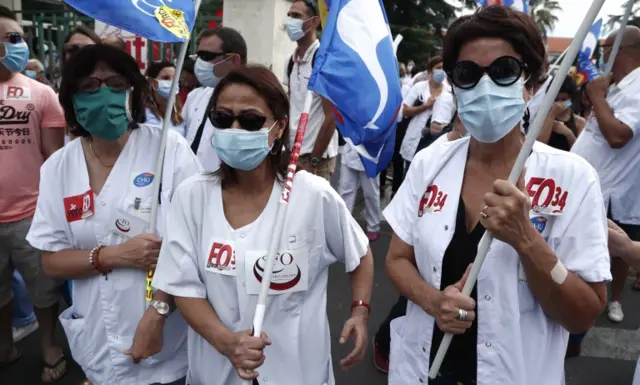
{"points": [[356, 69], [520, 5], [587, 70], [168, 21]]}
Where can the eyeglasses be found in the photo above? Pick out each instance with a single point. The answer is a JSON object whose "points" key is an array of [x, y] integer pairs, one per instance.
{"points": [[248, 121], [504, 71], [14, 37], [91, 84], [210, 56]]}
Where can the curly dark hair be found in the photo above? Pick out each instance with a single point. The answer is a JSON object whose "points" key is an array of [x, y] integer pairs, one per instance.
{"points": [[497, 21]]}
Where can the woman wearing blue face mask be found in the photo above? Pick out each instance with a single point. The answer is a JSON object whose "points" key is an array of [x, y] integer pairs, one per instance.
{"points": [[92, 223], [545, 271], [213, 259], [160, 76]]}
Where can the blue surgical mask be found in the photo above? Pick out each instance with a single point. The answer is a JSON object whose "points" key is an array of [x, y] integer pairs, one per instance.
{"points": [[567, 104], [16, 57], [103, 113], [439, 76], [241, 149], [489, 111], [204, 73], [295, 29], [164, 88], [31, 74]]}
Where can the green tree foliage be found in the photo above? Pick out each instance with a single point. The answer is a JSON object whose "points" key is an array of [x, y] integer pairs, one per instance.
{"points": [[614, 20], [544, 14]]}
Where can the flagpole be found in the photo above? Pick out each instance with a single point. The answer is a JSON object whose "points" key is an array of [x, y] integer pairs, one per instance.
{"points": [[618, 41], [276, 236], [157, 176], [536, 127]]}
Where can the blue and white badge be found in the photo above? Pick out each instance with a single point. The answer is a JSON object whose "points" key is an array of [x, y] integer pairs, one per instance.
{"points": [[143, 179], [539, 223]]}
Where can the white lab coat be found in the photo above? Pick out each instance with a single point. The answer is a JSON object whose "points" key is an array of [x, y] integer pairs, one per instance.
{"points": [[153, 120], [617, 168], [352, 177], [204, 257], [420, 91], [517, 342], [102, 321], [193, 111]]}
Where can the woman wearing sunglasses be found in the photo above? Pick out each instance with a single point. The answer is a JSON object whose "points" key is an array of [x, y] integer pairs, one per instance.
{"points": [[213, 259], [545, 273], [160, 76], [92, 223]]}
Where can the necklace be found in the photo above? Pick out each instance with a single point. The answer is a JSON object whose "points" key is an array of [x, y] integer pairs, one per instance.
{"points": [[95, 156]]}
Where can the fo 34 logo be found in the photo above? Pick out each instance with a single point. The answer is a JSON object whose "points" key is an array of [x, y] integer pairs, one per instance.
{"points": [[433, 200], [546, 196]]}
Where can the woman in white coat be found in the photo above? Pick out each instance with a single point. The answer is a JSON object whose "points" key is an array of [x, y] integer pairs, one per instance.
{"points": [[92, 220], [160, 75], [418, 106], [213, 259], [545, 272]]}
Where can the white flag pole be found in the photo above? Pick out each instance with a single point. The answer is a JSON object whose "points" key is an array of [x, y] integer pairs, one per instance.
{"points": [[534, 131], [261, 306], [396, 43], [157, 176], [618, 41]]}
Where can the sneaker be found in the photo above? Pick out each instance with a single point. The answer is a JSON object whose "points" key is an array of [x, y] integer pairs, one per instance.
{"points": [[615, 312], [380, 359], [373, 236], [24, 331]]}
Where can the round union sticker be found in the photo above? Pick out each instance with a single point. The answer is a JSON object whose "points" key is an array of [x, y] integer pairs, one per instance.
{"points": [[173, 21]]}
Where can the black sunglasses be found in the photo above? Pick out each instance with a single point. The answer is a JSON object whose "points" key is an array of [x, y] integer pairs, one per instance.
{"points": [[504, 71], [210, 56], [248, 121], [15, 37]]}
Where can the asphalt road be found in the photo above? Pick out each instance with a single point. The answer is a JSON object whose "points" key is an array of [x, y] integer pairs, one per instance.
{"points": [[609, 353]]}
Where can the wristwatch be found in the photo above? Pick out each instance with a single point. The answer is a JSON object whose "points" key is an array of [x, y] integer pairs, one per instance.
{"points": [[162, 308], [315, 162]]}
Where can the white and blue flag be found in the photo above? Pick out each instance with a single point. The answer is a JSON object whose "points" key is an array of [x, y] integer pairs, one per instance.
{"points": [[357, 71], [168, 21], [587, 70]]}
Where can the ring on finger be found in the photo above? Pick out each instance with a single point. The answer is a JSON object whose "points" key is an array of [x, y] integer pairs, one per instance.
{"points": [[462, 315], [483, 213]]}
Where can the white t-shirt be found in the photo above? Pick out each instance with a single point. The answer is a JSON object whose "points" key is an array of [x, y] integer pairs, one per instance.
{"points": [[153, 120], [204, 257], [618, 168], [298, 86], [517, 342], [194, 110], [444, 108], [102, 321]]}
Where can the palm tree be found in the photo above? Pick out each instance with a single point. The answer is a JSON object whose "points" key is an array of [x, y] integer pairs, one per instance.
{"points": [[543, 14]]}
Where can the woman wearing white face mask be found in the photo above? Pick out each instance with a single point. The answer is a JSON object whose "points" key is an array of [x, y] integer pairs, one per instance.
{"points": [[545, 271], [160, 76], [213, 259], [418, 106], [92, 220]]}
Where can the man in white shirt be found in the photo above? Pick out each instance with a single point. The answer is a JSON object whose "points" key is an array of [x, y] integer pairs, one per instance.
{"points": [[219, 51], [320, 143], [610, 143]]}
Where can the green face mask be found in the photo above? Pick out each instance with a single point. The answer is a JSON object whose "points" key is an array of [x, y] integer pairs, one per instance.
{"points": [[103, 113]]}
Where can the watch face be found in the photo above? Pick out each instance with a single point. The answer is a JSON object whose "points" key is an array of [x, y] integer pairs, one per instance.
{"points": [[162, 308]]}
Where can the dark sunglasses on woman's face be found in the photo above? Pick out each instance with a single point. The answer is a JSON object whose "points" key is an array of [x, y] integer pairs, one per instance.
{"points": [[14, 37], [248, 120], [504, 71]]}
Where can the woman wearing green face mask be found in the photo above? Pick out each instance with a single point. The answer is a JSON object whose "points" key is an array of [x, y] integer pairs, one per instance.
{"points": [[92, 223]]}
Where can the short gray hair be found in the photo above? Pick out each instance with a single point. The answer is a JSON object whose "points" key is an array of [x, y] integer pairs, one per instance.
{"points": [[38, 64]]}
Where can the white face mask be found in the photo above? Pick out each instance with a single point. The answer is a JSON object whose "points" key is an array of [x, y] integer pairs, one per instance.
{"points": [[204, 72]]}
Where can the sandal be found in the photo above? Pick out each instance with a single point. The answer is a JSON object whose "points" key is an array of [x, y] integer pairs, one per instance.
{"points": [[54, 372], [15, 356]]}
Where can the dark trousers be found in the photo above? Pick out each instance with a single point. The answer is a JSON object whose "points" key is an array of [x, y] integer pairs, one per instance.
{"points": [[383, 336], [397, 161]]}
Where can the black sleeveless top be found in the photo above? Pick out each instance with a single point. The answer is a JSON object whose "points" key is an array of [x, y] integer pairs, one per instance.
{"points": [[560, 141]]}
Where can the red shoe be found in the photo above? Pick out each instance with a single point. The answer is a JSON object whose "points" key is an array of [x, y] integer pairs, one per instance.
{"points": [[380, 359], [373, 236]]}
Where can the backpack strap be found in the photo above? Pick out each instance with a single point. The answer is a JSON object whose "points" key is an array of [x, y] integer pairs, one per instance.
{"points": [[291, 63]]}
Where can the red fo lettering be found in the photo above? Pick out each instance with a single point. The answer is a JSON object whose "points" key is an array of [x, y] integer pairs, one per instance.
{"points": [[545, 193]]}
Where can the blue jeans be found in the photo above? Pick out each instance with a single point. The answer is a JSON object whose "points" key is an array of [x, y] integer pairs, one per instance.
{"points": [[23, 314]]}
